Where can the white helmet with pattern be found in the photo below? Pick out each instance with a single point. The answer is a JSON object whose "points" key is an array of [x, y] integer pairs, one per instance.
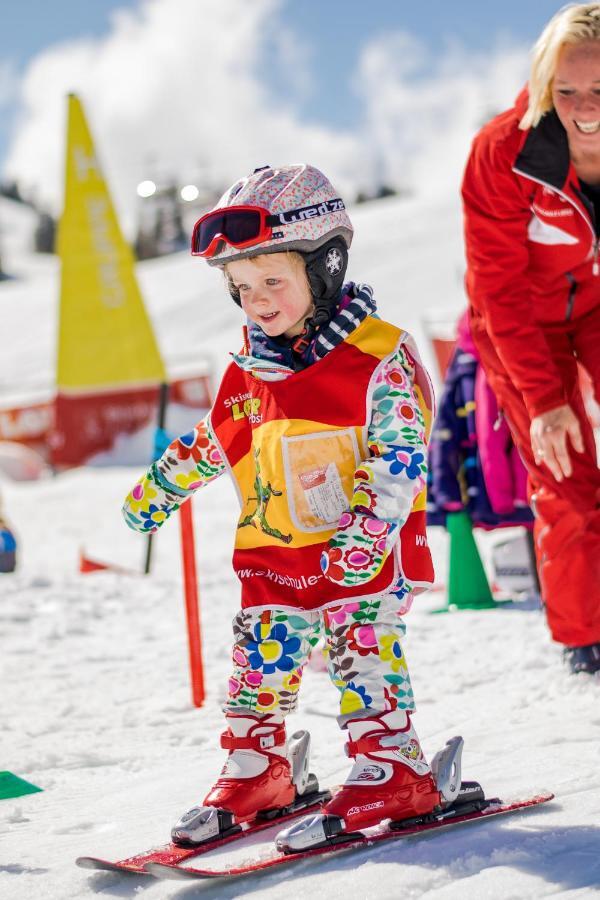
{"points": [[301, 211]]}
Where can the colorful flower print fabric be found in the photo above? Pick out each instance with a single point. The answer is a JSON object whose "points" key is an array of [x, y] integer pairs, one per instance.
{"points": [[190, 462], [363, 650], [358, 550]]}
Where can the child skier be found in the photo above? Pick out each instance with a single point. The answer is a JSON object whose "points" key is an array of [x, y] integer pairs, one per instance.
{"points": [[322, 422]]}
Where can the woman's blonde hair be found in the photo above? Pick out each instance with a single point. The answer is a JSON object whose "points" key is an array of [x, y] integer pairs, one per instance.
{"points": [[572, 24]]}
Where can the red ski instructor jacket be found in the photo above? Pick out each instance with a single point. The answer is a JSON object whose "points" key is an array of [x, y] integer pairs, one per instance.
{"points": [[531, 247]]}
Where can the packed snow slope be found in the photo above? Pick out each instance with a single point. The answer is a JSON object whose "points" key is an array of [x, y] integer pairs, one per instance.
{"points": [[93, 668]]}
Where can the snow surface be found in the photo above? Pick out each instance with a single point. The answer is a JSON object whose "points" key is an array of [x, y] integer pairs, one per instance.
{"points": [[96, 704]]}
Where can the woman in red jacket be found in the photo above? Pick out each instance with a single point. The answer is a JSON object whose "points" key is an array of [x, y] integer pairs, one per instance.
{"points": [[531, 196]]}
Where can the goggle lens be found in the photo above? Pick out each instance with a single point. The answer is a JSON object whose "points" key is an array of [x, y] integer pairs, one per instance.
{"points": [[239, 227], [246, 226]]}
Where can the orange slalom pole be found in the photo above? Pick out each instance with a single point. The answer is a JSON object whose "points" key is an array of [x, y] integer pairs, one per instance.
{"points": [[192, 607]]}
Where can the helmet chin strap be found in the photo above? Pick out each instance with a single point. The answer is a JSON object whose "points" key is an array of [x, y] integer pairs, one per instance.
{"points": [[321, 316]]}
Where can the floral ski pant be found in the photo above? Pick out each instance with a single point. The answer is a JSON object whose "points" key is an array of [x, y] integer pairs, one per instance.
{"points": [[362, 647]]}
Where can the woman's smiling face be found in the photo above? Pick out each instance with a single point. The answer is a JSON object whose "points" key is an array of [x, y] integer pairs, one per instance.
{"points": [[576, 96]]}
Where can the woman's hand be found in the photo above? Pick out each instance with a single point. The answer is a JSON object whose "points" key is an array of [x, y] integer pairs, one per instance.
{"points": [[549, 439]]}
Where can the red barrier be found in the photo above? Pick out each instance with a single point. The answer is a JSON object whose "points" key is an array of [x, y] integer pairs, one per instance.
{"points": [[71, 427], [29, 424]]}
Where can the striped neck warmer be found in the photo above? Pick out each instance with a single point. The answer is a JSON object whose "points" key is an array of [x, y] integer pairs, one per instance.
{"points": [[356, 304]]}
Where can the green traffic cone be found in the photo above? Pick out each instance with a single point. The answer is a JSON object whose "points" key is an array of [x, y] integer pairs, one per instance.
{"points": [[468, 586], [13, 786]]}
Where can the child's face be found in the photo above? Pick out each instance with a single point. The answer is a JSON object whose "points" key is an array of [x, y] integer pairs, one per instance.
{"points": [[274, 292]]}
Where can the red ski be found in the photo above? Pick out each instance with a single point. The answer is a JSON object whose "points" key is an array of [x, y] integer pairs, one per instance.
{"points": [[353, 841], [173, 854]]}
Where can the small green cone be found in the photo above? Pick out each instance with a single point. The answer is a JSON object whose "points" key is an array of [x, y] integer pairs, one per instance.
{"points": [[468, 586], [13, 786]]}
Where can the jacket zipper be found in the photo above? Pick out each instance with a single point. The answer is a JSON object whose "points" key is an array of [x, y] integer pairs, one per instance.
{"points": [[571, 298]]}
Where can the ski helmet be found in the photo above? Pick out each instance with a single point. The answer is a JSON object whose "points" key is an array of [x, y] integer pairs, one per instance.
{"points": [[281, 209]]}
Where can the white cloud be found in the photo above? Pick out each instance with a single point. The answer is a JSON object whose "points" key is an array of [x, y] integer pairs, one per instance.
{"points": [[178, 88], [423, 110], [173, 89]]}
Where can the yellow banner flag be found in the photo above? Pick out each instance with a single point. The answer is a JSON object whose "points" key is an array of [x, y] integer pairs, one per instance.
{"points": [[105, 336]]}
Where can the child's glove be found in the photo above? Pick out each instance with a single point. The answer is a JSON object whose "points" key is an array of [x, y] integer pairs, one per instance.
{"points": [[358, 550]]}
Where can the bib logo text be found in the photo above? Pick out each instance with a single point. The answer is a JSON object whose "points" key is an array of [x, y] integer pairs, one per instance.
{"points": [[247, 409]]}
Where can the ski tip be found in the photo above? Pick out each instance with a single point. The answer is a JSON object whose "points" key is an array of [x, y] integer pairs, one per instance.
{"points": [[105, 865], [86, 862], [93, 862], [516, 803], [533, 800]]}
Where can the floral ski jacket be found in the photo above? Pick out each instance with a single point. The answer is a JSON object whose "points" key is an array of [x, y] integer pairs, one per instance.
{"points": [[385, 484]]}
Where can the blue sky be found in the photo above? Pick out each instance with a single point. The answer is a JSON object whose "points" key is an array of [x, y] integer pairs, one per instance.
{"points": [[343, 26], [308, 55]]}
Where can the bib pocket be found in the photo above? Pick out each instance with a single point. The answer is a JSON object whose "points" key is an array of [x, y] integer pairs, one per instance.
{"points": [[319, 474]]}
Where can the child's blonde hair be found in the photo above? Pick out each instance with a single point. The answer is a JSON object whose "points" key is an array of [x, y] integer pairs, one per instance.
{"points": [[571, 25]]}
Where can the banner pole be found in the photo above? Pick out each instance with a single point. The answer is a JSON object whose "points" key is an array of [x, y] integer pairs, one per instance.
{"points": [[192, 608]]}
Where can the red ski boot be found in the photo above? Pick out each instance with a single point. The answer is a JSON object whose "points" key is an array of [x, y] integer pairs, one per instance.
{"points": [[390, 779], [257, 777]]}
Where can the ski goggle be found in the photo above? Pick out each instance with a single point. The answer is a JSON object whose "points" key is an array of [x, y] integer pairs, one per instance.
{"points": [[239, 226], [246, 226]]}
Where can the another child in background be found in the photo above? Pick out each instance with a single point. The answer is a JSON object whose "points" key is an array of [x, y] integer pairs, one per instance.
{"points": [[8, 546], [322, 421], [474, 465]]}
